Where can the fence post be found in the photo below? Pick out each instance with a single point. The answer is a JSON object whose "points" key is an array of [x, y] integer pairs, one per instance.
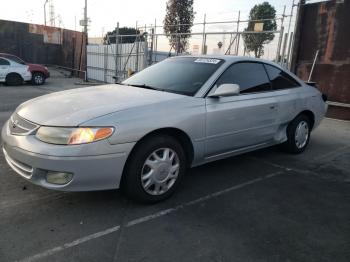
{"points": [[204, 36], [137, 53], [105, 62], [280, 37], [284, 48], [289, 49], [238, 35], [116, 53], [151, 47], [155, 42]]}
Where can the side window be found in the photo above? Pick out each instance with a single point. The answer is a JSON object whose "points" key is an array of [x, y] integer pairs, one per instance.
{"points": [[251, 77], [4, 62], [279, 79]]}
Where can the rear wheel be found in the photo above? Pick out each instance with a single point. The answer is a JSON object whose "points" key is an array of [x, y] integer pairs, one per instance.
{"points": [[298, 134], [154, 169], [14, 79], [38, 78]]}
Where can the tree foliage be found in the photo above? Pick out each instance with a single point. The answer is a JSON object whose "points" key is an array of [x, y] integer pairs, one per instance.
{"points": [[110, 38], [178, 19], [255, 42]]}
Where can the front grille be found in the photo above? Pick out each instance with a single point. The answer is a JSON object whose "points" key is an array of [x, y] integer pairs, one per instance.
{"points": [[21, 126], [20, 168]]}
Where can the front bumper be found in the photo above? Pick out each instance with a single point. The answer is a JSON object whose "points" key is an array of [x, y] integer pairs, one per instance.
{"points": [[95, 166]]}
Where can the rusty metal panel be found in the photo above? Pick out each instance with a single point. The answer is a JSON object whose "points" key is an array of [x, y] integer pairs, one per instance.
{"points": [[43, 44], [325, 27], [52, 35]]}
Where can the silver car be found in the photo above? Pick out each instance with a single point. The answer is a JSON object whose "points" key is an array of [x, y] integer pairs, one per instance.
{"points": [[142, 135]]}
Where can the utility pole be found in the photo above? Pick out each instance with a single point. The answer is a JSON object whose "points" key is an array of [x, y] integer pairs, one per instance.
{"points": [[86, 37], [85, 19], [278, 54], [296, 35], [45, 11], [290, 34], [52, 13]]}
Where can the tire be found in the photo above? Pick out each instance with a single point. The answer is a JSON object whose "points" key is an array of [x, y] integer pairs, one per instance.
{"points": [[298, 134], [154, 180], [14, 79], [38, 78]]}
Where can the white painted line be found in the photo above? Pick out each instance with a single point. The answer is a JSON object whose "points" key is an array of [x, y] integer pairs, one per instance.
{"points": [[198, 200], [339, 120], [145, 219], [273, 164], [71, 244], [333, 153]]}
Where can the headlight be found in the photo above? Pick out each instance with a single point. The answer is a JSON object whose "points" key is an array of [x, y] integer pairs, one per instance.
{"points": [[73, 136]]}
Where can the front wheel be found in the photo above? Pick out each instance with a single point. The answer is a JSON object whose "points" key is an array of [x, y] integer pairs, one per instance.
{"points": [[154, 169], [298, 134], [38, 78]]}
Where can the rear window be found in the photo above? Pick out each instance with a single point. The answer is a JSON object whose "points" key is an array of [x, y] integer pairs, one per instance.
{"points": [[279, 79]]}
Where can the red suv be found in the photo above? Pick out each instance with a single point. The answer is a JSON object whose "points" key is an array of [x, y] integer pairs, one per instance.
{"points": [[39, 72]]}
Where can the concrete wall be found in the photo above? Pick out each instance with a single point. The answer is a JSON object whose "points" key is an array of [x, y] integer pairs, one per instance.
{"points": [[325, 26], [43, 44]]}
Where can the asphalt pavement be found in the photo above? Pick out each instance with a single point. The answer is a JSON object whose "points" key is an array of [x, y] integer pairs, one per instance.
{"points": [[262, 206]]}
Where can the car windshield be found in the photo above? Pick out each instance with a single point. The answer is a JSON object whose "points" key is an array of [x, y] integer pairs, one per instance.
{"points": [[182, 75]]}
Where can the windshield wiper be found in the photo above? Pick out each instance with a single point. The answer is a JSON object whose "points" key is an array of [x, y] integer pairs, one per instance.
{"points": [[145, 86]]}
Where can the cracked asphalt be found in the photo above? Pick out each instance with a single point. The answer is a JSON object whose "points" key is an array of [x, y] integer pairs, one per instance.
{"points": [[262, 206]]}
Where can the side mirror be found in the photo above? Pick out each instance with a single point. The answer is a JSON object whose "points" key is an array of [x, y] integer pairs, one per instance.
{"points": [[226, 90]]}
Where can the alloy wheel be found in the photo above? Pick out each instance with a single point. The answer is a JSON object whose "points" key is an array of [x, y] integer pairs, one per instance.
{"points": [[301, 134], [160, 171]]}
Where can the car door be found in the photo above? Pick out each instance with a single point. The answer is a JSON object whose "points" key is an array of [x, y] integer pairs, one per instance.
{"points": [[4, 68], [245, 120]]}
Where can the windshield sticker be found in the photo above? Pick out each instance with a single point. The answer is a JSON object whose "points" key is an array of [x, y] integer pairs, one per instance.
{"points": [[207, 61]]}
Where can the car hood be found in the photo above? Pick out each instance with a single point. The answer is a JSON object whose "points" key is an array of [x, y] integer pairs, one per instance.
{"points": [[74, 107], [36, 66]]}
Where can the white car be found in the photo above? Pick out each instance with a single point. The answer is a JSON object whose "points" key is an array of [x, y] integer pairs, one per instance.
{"points": [[13, 73], [142, 134]]}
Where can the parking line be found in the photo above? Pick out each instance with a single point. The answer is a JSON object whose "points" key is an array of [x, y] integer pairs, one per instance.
{"points": [[71, 244], [144, 219]]}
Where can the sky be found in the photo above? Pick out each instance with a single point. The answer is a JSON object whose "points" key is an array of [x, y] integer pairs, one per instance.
{"points": [[104, 14]]}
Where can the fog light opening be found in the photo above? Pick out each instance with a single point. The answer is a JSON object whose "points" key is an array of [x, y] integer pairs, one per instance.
{"points": [[58, 178]]}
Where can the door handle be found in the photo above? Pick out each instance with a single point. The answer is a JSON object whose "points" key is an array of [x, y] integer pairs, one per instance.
{"points": [[272, 107]]}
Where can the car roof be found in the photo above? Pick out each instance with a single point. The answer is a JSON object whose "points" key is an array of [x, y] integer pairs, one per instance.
{"points": [[232, 59], [6, 54]]}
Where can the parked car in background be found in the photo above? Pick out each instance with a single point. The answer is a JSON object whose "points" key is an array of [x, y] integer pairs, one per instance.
{"points": [[13, 73], [39, 72], [142, 135]]}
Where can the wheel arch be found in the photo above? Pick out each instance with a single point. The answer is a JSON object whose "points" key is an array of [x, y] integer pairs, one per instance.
{"points": [[181, 136], [13, 73], [37, 72], [310, 115]]}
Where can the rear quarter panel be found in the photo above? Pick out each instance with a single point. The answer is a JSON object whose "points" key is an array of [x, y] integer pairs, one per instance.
{"points": [[311, 99]]}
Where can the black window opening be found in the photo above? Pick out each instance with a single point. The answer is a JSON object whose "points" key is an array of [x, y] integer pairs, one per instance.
{"points": [[4, 62], [251, 77], [280, 79]]}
